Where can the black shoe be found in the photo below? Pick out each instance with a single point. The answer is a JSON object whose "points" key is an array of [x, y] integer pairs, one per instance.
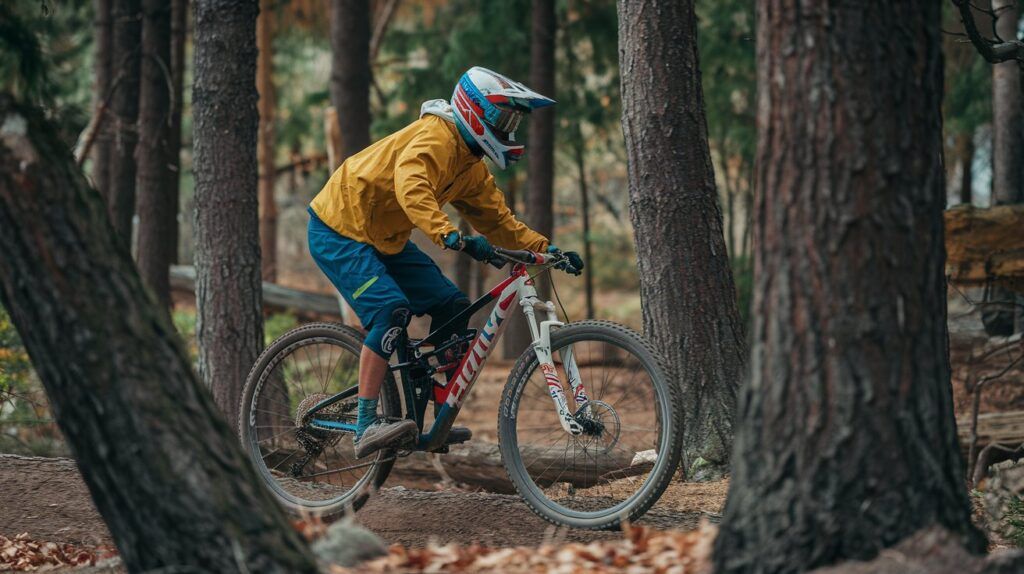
{"points": [[382, 434]]}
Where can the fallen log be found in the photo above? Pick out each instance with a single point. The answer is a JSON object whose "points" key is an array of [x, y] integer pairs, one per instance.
{"points": [[993, 428], [1000, 436], [275, 297], [986, 245], [478, 464]]}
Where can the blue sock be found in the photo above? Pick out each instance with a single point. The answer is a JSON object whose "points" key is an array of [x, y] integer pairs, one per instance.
{"points": [[367, 414]]}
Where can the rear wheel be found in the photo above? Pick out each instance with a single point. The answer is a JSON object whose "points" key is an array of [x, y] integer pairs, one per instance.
{"points": [[632, 420], [311, 469]]}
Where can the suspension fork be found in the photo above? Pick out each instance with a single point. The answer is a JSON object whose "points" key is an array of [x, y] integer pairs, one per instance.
{"points": [[541, 334], [572, 372]]}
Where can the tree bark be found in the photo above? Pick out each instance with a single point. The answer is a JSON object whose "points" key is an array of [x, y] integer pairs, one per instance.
{"points": [[539, 204], [588, 271], [229, 325], [124, 107], [103, 70], [179, 37], [540, 178], [1007, 154], [268, 172], [155, 177], [1007, 115], [165, 471], [686, 284], [847, 442], [350, 72]]}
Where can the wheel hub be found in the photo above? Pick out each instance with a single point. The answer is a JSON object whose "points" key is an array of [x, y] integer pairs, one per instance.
{"points": [[600, 421]]}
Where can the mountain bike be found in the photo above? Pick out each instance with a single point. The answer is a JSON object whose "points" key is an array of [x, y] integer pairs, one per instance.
{"points": [[589, 424]]}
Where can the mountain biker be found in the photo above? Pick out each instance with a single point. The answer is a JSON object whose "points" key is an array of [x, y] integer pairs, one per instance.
{"points": [[361, 221]]}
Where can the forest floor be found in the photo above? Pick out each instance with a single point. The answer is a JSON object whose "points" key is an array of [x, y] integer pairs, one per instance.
{"points": [[46, 498]]}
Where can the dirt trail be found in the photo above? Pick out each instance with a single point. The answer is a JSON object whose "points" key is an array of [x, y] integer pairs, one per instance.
{"points": [[47, 498]]}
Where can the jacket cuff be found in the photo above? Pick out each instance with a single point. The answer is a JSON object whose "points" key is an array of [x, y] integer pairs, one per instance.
{"points": [[439, 236]]}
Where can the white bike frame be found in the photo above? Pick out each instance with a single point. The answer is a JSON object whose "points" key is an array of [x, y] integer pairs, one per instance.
{"points": [[541, 318]]}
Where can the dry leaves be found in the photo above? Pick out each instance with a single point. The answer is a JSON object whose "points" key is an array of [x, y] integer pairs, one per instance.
{"points": [[641, 550], [23, 554]]}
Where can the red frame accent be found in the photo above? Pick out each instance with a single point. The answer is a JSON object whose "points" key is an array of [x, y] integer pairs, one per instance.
{"points": [[518, 271]]}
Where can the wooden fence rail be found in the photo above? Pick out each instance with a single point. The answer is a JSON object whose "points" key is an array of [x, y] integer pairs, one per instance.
{"points": [[275, 297]]}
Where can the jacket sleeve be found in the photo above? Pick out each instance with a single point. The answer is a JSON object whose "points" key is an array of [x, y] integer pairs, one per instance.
{"points": [[484, 207], [418, 169]]}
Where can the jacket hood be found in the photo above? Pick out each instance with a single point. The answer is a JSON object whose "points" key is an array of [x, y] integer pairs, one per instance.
{"points": [[440, 108], [443, 110]]}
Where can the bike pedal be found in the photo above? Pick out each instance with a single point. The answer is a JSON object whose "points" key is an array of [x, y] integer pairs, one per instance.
{"points": [[458, 435]]}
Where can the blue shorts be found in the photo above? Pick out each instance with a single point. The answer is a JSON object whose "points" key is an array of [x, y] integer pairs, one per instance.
{"points": [[375, 284]]}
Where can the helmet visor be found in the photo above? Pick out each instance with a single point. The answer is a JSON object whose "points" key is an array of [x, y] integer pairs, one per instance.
{"points": [[507, 120]]}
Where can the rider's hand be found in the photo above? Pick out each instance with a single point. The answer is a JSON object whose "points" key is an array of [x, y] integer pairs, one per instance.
{"points": [[475, 246], [573, 263]]}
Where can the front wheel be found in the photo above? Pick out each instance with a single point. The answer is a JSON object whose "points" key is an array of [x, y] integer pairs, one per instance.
{"points": [[631, 416]]}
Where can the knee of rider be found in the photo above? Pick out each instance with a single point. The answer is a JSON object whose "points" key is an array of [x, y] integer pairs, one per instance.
{"points": [[385, 332], [442, 313]]}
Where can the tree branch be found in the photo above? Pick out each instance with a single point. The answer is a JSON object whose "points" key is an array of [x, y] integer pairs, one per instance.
{"points": [[381, 27], [994, 51]]}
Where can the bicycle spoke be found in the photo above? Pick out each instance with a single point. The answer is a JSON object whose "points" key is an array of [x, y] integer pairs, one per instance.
{"points": [[275, 436]]}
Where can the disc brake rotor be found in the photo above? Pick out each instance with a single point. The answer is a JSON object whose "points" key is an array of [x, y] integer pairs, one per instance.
{"points": [[600, 420]]}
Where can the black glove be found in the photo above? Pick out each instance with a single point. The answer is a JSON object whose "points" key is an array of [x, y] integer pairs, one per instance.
{"points": [[573, 263], [475, 246]]}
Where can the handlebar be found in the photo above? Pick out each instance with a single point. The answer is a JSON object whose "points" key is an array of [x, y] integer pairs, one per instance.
{"points": [[527, 257]]}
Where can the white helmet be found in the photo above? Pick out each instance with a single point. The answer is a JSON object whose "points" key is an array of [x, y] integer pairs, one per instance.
{"points": [[488, 108]]}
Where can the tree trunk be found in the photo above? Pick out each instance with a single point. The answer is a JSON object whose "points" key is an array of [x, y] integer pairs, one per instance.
{"points": [[350, 72], [1007, 151], [686, 285], [967, 169], [265, 86], [540, 178], [103, 70], [1007, 115], [588, 271], [539, 204], [165, 471], [229, 325], [179, 36], [157, 207], [124, 109], [847, 442], [332, 133]]}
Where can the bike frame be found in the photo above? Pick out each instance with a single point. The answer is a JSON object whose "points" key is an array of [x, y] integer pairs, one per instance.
{"points": [[541, 318]]}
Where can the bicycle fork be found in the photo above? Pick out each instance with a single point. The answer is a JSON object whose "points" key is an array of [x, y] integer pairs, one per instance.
{"points": [[541, 334]]}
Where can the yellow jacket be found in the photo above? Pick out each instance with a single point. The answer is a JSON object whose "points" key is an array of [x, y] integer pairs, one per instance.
{"points": [[378, 195]]}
